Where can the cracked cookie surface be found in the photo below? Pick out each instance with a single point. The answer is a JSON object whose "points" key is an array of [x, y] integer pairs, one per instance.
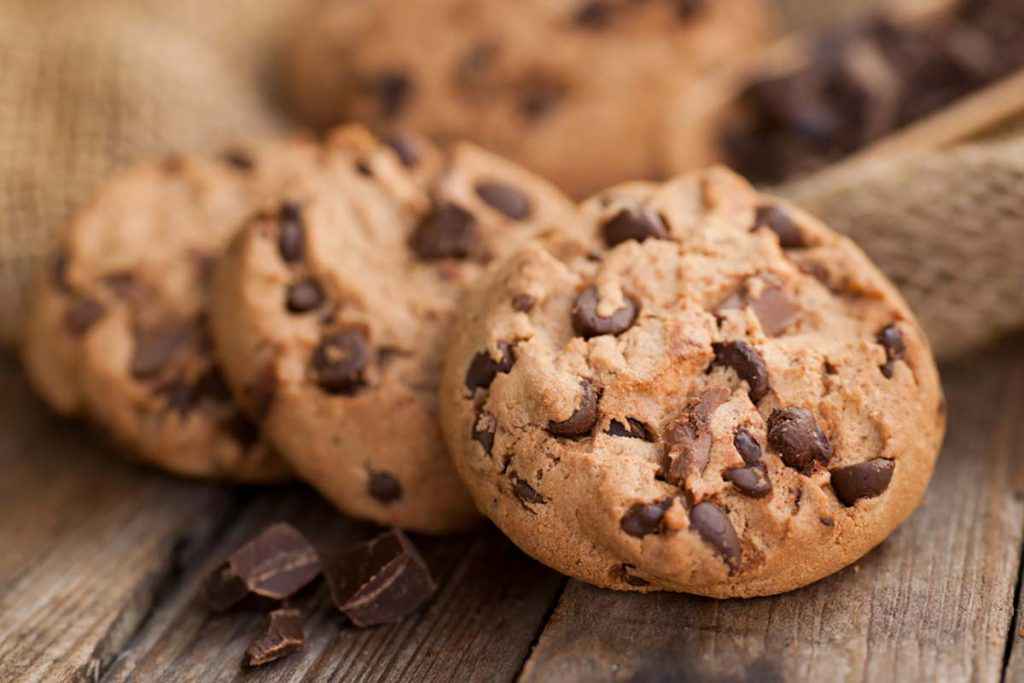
{"points": [[554, 85], [723, 397], [117, 329], [332, 313]]}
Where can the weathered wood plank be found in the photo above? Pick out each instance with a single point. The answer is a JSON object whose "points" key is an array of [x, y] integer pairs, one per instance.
{"points": [[933, 603], [89, 540], [492, 603]]}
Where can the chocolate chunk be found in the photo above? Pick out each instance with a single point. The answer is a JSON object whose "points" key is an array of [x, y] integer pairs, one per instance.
{"points": [[392, 90], [275, 565], [747, 446], [752, 481], [774, 309], [405, 148], [863, 480], [484, 369], [154, 349], [633, 224], [448, 231], [891, 339], [384, 487], [594, 14], [688, 438], [505, 198], [748, 364], [304, 296], [239, 159], [643, 519], [588, 323], [796, 436], [713, 525], [525, 493], [582, 421], [340, 360], [380, 582], [283, 637], [484, 428], [523, 303], [779, 221], [82, 313], [291, 239], [634, 429]]}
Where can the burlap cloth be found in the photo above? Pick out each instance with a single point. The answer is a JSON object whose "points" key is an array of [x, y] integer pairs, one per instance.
{"points": [[87, 85]]}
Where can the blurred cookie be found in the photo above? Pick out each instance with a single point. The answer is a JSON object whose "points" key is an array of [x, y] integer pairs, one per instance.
{"points": [[331, 314], [576, 90], [730, 401], [117, 327]]}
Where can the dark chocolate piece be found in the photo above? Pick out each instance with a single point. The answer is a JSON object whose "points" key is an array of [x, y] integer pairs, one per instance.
{"points": [[283, 637]]}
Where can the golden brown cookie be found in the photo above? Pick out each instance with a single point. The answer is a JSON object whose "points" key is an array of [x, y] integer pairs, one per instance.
{"points": [[581, 91], [117, 329], [331, 314], [730, 400]]}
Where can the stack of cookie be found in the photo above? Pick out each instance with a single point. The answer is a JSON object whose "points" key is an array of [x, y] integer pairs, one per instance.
{"points": [[677, 386]]}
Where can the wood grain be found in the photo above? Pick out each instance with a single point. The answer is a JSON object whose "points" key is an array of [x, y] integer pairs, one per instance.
{"points": [[932, 603]]}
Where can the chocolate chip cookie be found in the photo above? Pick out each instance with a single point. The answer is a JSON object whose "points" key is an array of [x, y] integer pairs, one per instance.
{"points": [[331, 314], [117, 330], [723, 398], [577, 90]]}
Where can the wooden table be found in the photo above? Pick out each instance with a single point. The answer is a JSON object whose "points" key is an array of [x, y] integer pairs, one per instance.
{"points": [[101, 562]]}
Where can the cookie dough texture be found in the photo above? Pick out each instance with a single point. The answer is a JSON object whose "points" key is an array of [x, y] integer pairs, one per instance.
{"points": [[576, 90], [730, 400], [117, 331], [332, 314]]}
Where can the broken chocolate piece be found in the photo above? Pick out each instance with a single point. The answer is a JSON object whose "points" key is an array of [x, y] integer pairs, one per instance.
{"points": [[484, 369], [291, 240], [795, 434], [688, 439], [381, 581], [775, 310], [525, 493], [633, 224], [275, 565], [748, 364], [484, 428], [633, 429], [283, 637], [863, 480], [582, 421]]}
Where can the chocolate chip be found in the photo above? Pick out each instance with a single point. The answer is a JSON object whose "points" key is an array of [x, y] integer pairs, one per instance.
{"points": [[380, 582], [155, 348], [747, 446], [779, 221], [795, 434], [484, 428], [291, 239], [644, 519], [523, 303], [393, 90], [275, 565], [891, 339], [748, 364], [863, 480], [448, 231], [340, 360], [363, 168], [505, 198], [775, 309], [633, 224], [688, 438], [525, 493], [82, 313], [752, 481], [239, 159], [588, 323], [634, 429], [282, 637], [385, 488], [405, 148], [582, 421], [304, 296], [713, 525], [484, 369], [594, 14]]}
